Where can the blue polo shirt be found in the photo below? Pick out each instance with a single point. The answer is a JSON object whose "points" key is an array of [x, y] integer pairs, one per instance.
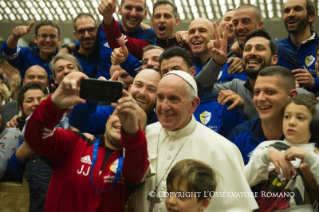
{"points": [[216, 116], [307, 54], [247, 136], [24, 57]]}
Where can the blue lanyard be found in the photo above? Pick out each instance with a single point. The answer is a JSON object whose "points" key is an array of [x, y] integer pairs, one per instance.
{"points": [[155, 42], [118, 170]]}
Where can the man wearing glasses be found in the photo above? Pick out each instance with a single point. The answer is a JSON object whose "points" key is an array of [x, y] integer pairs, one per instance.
{"points": [[85, 31], [47, 37]]}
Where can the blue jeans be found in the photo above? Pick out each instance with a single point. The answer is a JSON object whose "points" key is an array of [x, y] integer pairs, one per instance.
{"points": [[38, 175]]}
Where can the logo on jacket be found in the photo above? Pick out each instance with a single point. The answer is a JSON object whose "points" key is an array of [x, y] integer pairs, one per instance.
{"points": [[114, 166], [86, 159], [309, 60], [205, 117]]}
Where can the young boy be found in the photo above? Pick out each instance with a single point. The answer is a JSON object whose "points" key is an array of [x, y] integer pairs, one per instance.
{"points": [[189, 184], [284, 188]]}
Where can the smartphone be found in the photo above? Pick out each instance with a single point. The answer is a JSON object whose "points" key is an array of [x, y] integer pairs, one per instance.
{"points": [[101, 90]]}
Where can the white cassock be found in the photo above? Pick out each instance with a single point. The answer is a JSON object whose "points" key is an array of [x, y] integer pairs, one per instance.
{"points": [[203, 144]]}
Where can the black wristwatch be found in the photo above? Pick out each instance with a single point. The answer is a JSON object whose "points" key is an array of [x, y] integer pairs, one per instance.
{"points": [[66, 45]]}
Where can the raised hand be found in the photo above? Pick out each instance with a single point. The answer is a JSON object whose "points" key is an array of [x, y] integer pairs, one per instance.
{"points": [[182, 38], [19, 31], [218, 47], [128, 111], [106, 9], [67, 94], [228, 95], [119, 55]]}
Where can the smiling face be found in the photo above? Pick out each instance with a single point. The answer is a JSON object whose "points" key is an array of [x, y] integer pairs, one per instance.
{"points": [[32, 99], [244, 21], [144, 89], [270, 98], [227, 19], [174, 108], [200, 32], [257, 55], [174, 203], [133, 12], [47, 46], [36, 74], [86, 33], [296, 123], [164, 21], [295, 16], [62, 68]]}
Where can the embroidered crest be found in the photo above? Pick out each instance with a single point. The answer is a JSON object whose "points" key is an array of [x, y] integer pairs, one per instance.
{"points": [[309, 60], [205, 117], [114, 166]]}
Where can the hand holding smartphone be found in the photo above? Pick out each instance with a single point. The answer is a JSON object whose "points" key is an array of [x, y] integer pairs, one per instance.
{"points": [[101, 90]]}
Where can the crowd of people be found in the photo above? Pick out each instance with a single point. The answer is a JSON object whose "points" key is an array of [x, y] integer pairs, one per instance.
{"points": [[213, 118]]}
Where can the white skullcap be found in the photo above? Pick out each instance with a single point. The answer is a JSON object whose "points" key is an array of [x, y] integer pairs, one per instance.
{"points": [[186, 76]]}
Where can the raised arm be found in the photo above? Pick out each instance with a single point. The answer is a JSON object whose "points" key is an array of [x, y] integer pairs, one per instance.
{"points": [[17, 33]]}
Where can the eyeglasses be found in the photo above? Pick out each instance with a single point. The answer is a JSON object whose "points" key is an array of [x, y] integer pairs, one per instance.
{"points": [[51, 36], [82, 31]]}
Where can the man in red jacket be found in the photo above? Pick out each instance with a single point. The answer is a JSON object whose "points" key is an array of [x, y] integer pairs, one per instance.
{"points": [[89, 176]]}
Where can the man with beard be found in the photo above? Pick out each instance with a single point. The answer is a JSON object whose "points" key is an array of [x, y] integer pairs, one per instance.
{"points": [[91, 118], [247, 18], [85, 30], [259, 52], [298, 16], [164, 20]]}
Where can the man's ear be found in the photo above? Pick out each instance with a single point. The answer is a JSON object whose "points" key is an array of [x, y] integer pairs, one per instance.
{"points": [[192, 71], [274, 60], [292, 93], [35, 38], [129, 87], [176, 21], [195, 104], [119, 10], [260, 25], [204, 204]]}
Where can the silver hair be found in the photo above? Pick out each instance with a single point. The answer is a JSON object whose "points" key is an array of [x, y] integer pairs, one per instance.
{"points": [[68, 57]]}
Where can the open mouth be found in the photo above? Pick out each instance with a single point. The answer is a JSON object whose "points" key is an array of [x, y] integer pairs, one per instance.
{"points": [[161, 29], [197, 43], [253, 61], [140, 102]]}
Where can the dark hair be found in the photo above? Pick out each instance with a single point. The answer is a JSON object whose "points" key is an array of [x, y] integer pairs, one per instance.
{"points": [[200, 177], [309, 100], [122, 2], [25, 88], [287, 79], [310, 7], [44, 23], [177, 52], [161, 2], [257, 11], [262, 33], [225, 13], [80, 15]]}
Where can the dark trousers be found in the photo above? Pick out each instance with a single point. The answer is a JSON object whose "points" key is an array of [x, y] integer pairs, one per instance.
{"points": [[38, 173]]}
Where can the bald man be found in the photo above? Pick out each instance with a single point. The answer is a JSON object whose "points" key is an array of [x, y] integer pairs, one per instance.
{"points": [[36, 74], [200, 32], [91, 118]]}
